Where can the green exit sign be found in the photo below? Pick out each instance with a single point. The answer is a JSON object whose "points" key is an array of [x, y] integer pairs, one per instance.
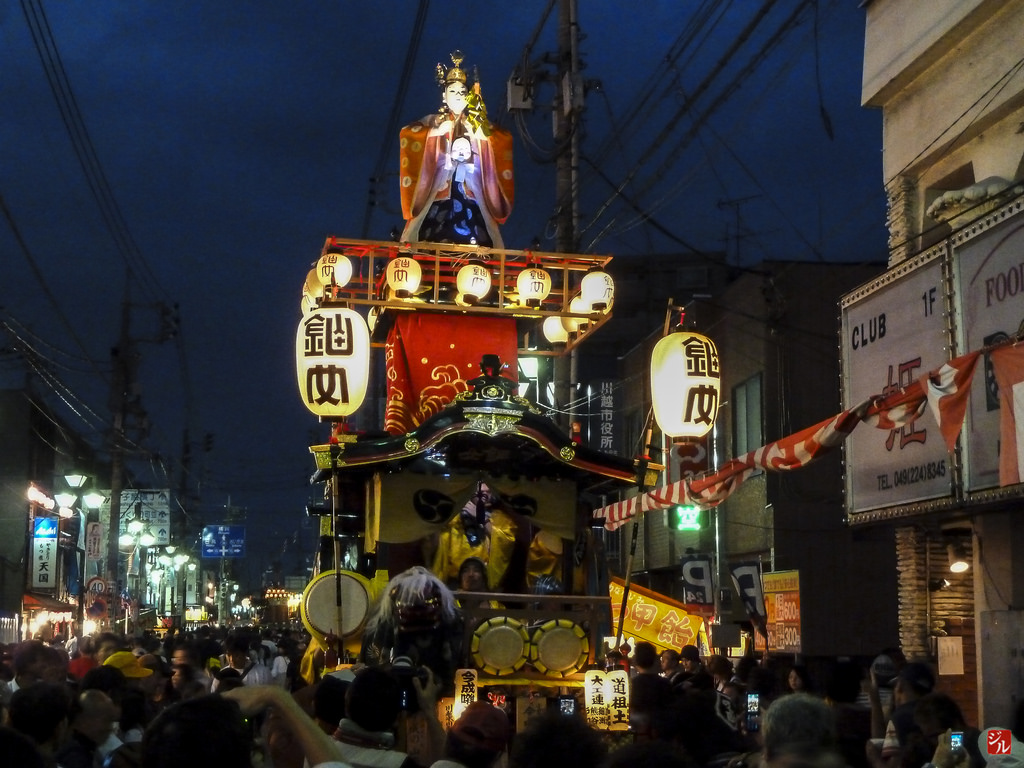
{"points": [[680, 518]]}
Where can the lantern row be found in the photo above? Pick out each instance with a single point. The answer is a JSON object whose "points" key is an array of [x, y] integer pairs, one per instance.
{"points": [[463, 279]]}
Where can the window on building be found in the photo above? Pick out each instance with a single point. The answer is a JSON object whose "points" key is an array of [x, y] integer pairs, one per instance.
{"points": [[748, 432]]}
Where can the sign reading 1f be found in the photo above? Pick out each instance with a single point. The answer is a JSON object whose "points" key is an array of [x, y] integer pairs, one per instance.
{"points": [[928, 297]]}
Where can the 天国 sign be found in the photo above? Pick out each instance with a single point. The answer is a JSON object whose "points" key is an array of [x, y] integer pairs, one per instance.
{"points": [[44, 553]]}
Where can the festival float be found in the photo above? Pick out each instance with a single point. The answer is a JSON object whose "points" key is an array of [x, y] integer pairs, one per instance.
{"points": [[464, 473]]}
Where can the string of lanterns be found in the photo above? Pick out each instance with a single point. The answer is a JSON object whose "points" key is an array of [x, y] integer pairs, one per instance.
{"points": [[471, 275]]}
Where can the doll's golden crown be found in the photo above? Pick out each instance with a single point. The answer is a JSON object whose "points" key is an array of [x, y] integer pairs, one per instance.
{"points": [[452, 74]]}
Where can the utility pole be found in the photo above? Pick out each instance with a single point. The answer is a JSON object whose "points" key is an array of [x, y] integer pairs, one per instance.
{"points": [[735, 204], [118, 402], [568, 104]]}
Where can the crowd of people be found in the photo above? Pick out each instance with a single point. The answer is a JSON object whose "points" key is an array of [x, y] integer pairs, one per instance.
{"points": [[717, 713], [244, 698]]}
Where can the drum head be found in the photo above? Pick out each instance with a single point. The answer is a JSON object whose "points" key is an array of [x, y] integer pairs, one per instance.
{"points": [[500, 646], [559, 647], [319, 604]]}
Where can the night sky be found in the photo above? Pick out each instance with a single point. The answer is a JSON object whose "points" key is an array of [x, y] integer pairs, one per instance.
{"points": [[225, 141]]}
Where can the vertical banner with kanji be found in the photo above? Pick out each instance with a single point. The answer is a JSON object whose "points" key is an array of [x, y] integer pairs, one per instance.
{"points": [[93, 544], [616, 693], [529, 707], [466, 691], [604, 424], [595, 702], [446, 712], [44, 553]]}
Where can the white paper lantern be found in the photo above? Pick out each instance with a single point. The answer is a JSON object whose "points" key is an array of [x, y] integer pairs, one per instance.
{"points": [[685, 384], [334, 268], [312, 290], [616, 693], [332, 361], [533, 285], [403, 276], [306, 304], [595, 702], [554, 330], [473, 281], [576, 324], [597, 290]]}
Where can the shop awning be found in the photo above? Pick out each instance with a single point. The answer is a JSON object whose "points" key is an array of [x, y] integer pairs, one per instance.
{"points": [[37, 602]]}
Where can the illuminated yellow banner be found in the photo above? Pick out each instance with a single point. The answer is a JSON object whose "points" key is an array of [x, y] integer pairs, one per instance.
{"points": [[782, 601], [658, 619], [466, 691]]}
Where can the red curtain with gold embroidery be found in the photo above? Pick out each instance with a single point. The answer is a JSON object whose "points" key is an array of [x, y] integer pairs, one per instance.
{"points": [[429, 358]]}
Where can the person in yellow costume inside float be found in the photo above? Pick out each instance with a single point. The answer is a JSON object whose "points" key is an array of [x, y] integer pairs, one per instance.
{"points": [[477, 546], [456, 169], [481, 530]]}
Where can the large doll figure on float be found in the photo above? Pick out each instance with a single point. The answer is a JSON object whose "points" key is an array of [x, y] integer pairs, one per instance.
{"points": [[456, 168]]}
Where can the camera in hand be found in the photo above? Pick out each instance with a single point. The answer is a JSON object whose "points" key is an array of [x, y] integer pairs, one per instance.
{"points": [[406, 672]]}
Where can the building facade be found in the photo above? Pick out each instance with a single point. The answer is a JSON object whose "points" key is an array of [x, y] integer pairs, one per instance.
{"points": [[40, 575], [775, 328], [948, 77]]}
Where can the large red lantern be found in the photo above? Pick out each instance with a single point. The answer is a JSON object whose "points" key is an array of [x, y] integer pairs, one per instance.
{"points": [[332, 361], [685, 384]]}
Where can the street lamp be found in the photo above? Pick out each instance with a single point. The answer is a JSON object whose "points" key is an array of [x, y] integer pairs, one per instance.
{"points": [[67, 507], [175, 564], [65, 504], [135, 541]]}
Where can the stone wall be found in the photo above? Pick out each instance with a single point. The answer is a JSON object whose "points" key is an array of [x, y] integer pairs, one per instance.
{"points": [[927, 613]]}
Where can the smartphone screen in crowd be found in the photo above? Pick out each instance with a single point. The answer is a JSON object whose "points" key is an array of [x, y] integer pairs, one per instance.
{"points": [[567, 705], [753, 712]]}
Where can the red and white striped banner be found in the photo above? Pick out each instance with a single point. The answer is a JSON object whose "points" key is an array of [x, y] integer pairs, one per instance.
{"points": [[945, 390]]}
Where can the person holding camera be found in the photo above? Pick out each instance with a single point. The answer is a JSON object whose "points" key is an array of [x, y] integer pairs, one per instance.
{"points": [[381, 705]]}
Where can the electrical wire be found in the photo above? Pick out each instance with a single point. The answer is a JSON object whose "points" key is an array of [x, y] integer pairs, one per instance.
{"points": [[725, 93], [84, 149], [392, 125], [138, 269], [671, 124]]}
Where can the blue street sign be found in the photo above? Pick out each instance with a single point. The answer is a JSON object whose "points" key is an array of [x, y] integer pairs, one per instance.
{"points": [[223, 541]]}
